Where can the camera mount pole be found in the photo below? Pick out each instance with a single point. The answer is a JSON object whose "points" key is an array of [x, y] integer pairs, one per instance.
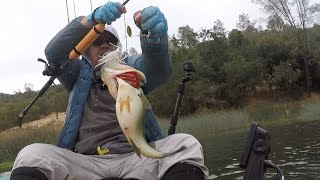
{"points": [[188, 67], [54, 72]]}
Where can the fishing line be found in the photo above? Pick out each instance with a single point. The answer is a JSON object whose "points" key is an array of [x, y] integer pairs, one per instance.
{"points": [[91, 5], [125, 26], [74, 9], [67, 11]]}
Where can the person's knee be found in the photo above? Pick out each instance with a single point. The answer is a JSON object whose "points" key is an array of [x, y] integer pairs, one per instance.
{"points": [[184, 171], [27, 173], [31, 154], [188, 139]]}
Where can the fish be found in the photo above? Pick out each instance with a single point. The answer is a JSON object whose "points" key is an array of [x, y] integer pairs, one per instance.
{"points": [[131, 104]]}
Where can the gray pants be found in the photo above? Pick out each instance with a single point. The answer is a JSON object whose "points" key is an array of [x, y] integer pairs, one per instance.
{"points": [[59, 164]]}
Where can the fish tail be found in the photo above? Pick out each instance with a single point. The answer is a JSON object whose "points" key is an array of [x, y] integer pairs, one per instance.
{"points": [[136, 149], [182, 148]]}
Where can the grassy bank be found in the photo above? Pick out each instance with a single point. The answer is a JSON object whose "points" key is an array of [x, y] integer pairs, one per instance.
{"points": [[12, 141], [200, 124], [264, 112], [209, 122], [6, 166]]}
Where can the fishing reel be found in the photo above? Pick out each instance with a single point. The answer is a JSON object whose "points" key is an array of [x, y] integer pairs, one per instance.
{"points": [[50, 70]]}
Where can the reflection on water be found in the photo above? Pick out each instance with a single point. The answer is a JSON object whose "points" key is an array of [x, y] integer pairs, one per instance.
{"points": [[294, 148]]}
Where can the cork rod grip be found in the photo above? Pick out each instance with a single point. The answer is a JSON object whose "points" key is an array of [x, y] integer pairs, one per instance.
{"points": [[86, 41]]}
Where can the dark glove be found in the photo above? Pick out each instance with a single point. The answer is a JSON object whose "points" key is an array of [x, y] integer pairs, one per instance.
{"points": [[106, 14]]}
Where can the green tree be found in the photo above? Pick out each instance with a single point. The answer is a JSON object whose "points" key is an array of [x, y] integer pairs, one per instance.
{"points": [[296, 14], [246, 79], [213, 50], [244, 22], [286, 77], [275, 23]]}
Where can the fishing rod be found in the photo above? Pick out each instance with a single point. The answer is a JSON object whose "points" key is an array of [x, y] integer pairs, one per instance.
{"points": [[125, 2], [54, 71], [188, 68]]}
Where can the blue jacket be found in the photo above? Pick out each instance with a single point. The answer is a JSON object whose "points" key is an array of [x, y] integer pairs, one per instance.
{"points": [[77, 76]]}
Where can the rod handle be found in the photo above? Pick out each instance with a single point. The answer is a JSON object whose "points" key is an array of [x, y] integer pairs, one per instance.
{"points": [[83, 45]]}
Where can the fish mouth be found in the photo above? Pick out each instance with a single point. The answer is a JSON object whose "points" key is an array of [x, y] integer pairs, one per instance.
{"points": [[131, 77]]}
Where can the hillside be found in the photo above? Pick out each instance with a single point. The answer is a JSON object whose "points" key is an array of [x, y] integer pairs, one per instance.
{"points": [[45, 121]]}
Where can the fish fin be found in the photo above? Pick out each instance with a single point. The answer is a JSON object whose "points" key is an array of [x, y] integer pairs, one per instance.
{"points": [[136, 149], [145, 102]]}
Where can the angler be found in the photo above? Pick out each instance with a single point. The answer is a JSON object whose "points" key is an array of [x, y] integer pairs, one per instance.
{"points": [[92, 144]]}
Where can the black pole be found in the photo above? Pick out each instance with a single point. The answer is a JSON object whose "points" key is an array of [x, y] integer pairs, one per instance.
{"points": [[174, 118], [188, 68], [50, 70], [39, 94]]}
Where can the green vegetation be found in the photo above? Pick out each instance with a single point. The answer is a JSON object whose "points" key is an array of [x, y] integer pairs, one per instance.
{"points": [[281, 61], [210, 122], [54, 100], [265, 113], [6, 166], [13, 140]]}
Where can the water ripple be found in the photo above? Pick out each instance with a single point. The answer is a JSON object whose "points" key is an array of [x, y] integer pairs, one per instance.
{"points": [[294, 163], [231, 173]]}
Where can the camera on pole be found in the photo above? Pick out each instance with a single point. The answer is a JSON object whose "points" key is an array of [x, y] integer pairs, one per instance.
{"points": [[189, 69]]}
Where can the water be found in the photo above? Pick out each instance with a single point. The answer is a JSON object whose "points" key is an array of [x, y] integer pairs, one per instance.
{"points": [[294, 148]]}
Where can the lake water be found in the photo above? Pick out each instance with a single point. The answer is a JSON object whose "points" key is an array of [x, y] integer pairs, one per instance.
{"points": [[295, 149]]}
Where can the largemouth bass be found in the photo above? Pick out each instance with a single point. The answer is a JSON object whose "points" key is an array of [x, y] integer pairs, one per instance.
{"points": [[131, 104]]}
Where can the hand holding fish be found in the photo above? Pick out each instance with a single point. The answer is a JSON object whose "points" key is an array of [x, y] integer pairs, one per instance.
{"points": [[152, 20]]}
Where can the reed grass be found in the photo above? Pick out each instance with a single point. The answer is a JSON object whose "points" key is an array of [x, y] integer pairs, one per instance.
{"points": [[265, 113], [12, 141], [201, 124], [6, 166]]}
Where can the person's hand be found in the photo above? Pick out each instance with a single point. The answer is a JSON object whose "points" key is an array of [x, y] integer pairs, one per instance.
{"points": [[152, 20], [106, 13]]}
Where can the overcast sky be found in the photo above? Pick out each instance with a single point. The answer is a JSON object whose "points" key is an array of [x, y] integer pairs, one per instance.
{"points": [[28, 25]]}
